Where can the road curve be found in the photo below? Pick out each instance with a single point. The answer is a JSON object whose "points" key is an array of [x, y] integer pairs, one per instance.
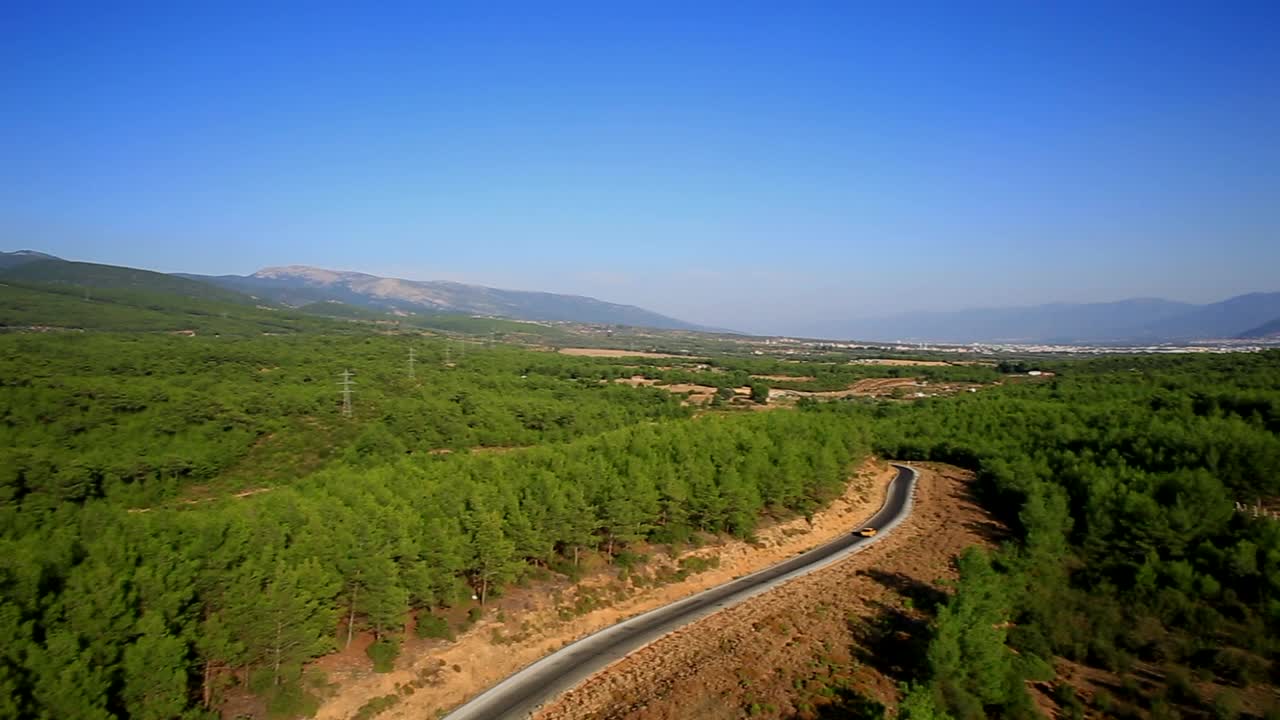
{"points": [[522, 694]]}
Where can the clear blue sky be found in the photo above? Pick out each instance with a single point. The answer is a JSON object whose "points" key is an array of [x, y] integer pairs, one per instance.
{"points": [[747, 165]]}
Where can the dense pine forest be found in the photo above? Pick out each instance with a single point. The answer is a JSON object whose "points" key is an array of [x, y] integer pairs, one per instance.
{"points": [[136, 418], [136, 583], [182, 517], [1121, 479]]}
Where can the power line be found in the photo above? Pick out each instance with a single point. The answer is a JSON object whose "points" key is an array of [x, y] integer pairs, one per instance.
{"points": [[346, 382]]}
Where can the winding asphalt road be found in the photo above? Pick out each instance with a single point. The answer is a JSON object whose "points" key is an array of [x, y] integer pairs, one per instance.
{"points": [[521, 694]]}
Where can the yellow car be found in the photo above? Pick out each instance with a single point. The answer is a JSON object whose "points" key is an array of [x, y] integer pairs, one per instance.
{"points": [[867, 532]]}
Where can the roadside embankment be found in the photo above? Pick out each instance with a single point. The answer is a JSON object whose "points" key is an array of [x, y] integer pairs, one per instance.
{"points": [[534, 621], [857, 624]]}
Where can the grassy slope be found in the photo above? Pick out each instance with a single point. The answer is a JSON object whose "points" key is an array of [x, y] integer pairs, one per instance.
{"points": [[130, 310], [110, 277], [512, 330]]}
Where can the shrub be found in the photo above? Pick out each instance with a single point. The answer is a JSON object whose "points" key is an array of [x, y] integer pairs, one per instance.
{"points": [[1226, 705], [1130, 689], [629, 560], [1102, 701], [1069, 700], [383, 653], [291, 701], [1162, 710], [1180, 688], [694, 565], [433, 626], [376, 707], [1239, 666]]}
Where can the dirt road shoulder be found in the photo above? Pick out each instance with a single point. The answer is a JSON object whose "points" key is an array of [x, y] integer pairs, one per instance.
{"points": [[532, 622], [786, 652]]}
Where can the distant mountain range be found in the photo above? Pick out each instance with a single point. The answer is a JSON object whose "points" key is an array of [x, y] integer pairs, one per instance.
{"points": [[347, 294], [22, 257], [1266, 330], [1143, 320], [297, 286]]}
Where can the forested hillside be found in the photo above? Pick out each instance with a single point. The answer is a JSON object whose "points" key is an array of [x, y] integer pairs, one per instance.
{"points": [[138, 418], [1121, 479], [133, 587], [134, 582], [82, 276], [71, 307]]}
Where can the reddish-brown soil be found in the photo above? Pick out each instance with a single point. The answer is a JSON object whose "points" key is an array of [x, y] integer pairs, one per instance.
{"points": [[858, 623]]}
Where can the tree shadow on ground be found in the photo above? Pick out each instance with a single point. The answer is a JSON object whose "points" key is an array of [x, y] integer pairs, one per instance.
{"points": [[988, 528], [847, 705], [892, 642], [923, 596]]}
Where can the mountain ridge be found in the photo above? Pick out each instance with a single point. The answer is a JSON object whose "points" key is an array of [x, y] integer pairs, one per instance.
{"points": [[1269, 329], [22, 257], [90, 276], [1135, 320], [297, 285]]}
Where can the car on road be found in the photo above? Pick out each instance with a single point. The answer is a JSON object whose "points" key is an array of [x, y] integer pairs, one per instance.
{"points": [[866, 532]]}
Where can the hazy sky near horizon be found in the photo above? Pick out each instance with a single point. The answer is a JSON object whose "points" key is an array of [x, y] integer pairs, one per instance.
{"points": [[758, 166]]}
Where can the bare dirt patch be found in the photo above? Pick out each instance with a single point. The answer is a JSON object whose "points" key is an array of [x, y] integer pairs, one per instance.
{"points": [[697, 394], [434, 675], [252, 491], [496, 449], [899, 362], [902, 388], [786, 378], [879, 386], [859, 623], [607, 353], [867, 387]]}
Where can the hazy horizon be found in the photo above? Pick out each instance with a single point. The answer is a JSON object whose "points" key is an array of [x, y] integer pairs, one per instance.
{"points": [[738, 167], [811, 329]]}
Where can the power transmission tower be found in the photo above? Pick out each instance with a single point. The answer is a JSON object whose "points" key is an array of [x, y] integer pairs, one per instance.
{"points": [[346, 382], [411, 375]]}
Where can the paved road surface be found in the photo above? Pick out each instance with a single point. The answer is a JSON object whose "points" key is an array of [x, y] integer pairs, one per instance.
{"points": [[521, 694]]}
